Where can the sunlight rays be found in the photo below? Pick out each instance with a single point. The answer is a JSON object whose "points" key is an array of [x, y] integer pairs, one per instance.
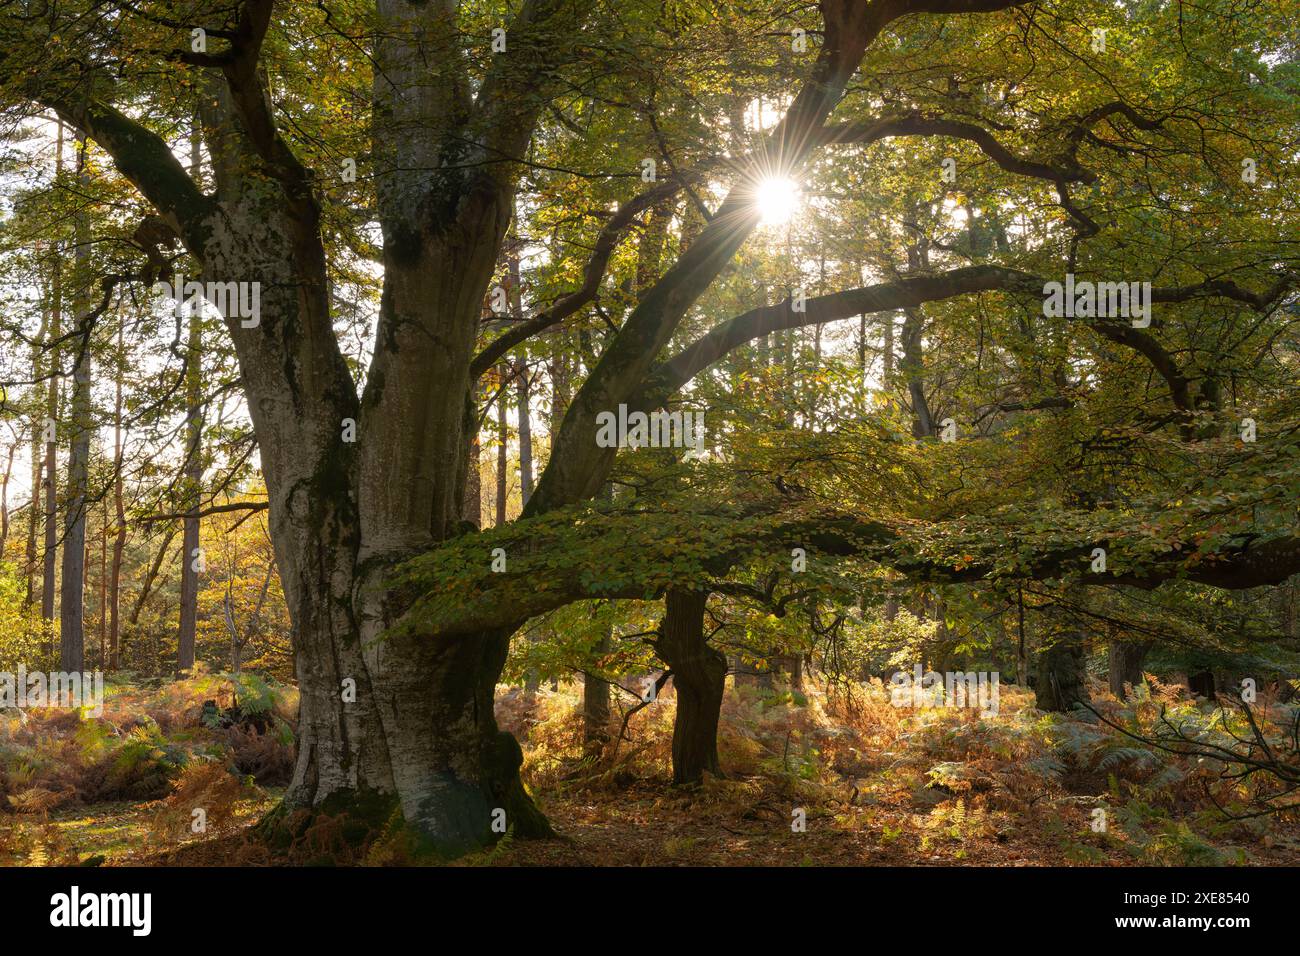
{"points": [[776, 198]]}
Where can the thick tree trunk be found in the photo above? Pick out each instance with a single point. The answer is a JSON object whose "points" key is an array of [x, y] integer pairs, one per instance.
{"points": [[1126, 659], [385, 720], [451, 768], [1203, 684], [1061, 681], [408, 715], [699, 676]]}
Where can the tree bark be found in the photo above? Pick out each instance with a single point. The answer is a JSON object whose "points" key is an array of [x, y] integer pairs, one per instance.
{"points": [[525, 437], [503, 457], [473, 508], [699, 676], [796, 671], [119, 516], [595, 708], [103, 590], [33, 514], [192, 469], [1203, 684], [914, 358], [1061, 682], [417, 726], [50, 480], [191, 492], [72, 636], [4, 496], [150, 576], [37, 455], [1126, 665]]}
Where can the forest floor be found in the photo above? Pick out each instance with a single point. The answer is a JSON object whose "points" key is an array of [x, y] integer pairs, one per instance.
{"points": [[873, 786]]}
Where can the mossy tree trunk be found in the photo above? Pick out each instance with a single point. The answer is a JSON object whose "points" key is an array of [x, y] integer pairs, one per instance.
{"points": [[358, 483]]}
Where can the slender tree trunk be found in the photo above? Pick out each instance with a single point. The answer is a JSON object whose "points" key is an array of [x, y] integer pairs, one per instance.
{"points": [[887, 362], [503, 458], [151, 575], [50, 480], [595, 708], [87, 592], [525, 437], [33, 514], [474, 486], [103, 590], [72, 636], [1022, 651], [913, 356], [236, 645], [522, 384], [559, 386], [4, 498], [192, 469], [649, 251], [37, 455], [699, 677], [119, 515], [862, 348], [191, 493]]}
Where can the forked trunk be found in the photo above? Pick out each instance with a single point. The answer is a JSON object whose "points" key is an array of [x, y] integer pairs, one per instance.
{"points": [[405, 723]]}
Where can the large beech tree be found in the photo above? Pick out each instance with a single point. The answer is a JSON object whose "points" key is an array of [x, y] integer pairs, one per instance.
{"points": [[461, 94]]}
